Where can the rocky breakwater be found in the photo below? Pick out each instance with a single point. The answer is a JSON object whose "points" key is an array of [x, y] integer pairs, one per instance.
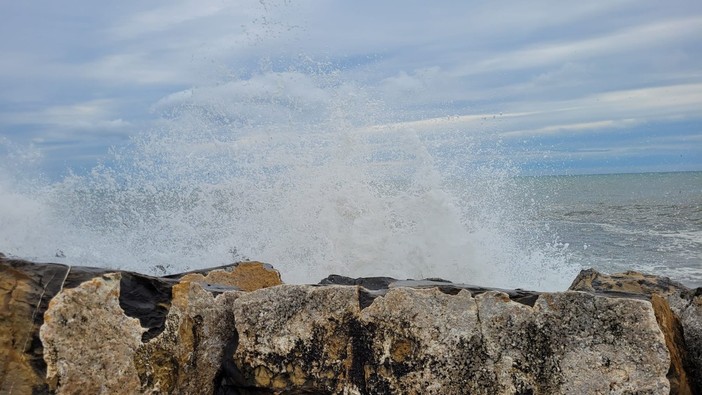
{"points": [[237, 330]]}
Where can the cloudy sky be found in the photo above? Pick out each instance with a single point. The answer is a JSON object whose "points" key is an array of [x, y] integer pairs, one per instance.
{"points": [[564, 87]]}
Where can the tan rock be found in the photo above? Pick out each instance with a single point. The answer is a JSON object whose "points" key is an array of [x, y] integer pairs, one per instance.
{"points": [[24, 295], [673, 331], [247, 276], [187, 355], [676, 311], [630, 282], [423, 341], [296, 336], [89, 343]]}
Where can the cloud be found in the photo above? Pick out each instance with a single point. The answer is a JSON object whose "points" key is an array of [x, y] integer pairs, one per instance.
{"points": [[511, 70], [649, 36]]}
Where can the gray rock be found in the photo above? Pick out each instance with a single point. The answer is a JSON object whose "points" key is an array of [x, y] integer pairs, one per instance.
{"points": [[128, 333], [691, 319], [298, 338]]}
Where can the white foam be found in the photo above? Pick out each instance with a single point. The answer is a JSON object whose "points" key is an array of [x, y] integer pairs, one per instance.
{"points": [[313, 189]]}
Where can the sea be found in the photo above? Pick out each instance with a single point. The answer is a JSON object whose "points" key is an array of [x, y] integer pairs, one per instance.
{"points": [[649, 222], [311, 218], [338, 183]]}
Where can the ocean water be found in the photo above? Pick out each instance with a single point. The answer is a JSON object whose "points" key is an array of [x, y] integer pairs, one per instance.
{"points": [[651, 222], [330, 183]]}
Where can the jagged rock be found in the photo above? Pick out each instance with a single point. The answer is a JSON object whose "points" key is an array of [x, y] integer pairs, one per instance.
{"points": [[677, 310], [691, 320], [122, 332], [629, 283], [672, 330], [91, 346], [319, 340], [26, 289], [247, 276], [85, 325], [379, 285], [186, 357]]}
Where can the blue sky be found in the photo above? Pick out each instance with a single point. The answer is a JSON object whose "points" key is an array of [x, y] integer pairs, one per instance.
{"points": [[593, 87]]}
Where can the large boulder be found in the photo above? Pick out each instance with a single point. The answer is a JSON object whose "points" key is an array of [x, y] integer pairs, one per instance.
{"points": [[302, 339], [85, 313], [677, 310]]}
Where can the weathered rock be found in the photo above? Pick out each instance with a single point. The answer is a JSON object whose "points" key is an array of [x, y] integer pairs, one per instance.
{"points": [[303, 339], [89, 343], [26, 289], [196, 332], [676, 310], [379, 285], [186, 357], [675, 341], [627, 284], [247, 276], [691, 320], [91, 346]]}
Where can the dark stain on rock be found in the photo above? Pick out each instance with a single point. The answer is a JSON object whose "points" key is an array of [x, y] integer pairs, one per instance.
{"points": [[372, 283], [147, 299], [362, 352], [229, 379], [366, 297]]}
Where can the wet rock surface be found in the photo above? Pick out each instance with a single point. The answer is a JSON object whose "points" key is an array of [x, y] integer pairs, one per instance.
{"points": [[237, 330]]}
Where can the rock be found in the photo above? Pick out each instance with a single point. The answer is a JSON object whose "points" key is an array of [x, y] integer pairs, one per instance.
{"points": [[691, 320], [85, 325], [302, 339], [677, 310], [187, 356], [631, 284], [25, 291], [70, 329], [26, 288], [247, 276], [672, 330]]}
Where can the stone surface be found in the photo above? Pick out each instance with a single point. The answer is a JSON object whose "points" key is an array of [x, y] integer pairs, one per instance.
{"points": [[91, 346], [691, 320], [186, 357], [319, 340], [89, 343], [677, 310], [629, 283], [674, 338], [122, 332], [25, 291], [247, 276], [20, 301]]}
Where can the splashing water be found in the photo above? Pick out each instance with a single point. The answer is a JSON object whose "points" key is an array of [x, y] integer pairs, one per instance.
{"points": [[323, 183]]}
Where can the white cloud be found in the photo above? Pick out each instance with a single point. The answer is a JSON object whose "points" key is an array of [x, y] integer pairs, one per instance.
{"points": [[647, 37], [549, 67], [166, 17]]}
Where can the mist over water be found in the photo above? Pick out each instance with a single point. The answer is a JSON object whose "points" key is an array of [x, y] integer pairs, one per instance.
{"points": [[298, 170]]}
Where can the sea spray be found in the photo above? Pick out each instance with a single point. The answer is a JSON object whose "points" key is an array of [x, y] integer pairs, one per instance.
{"points": [[305, 172]]}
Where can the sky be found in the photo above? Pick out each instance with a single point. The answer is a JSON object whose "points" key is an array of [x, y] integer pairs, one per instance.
{"points": [[562, 87]]}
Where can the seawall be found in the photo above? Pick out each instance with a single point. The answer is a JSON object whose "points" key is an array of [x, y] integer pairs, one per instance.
{"points": [[238, 329]]}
